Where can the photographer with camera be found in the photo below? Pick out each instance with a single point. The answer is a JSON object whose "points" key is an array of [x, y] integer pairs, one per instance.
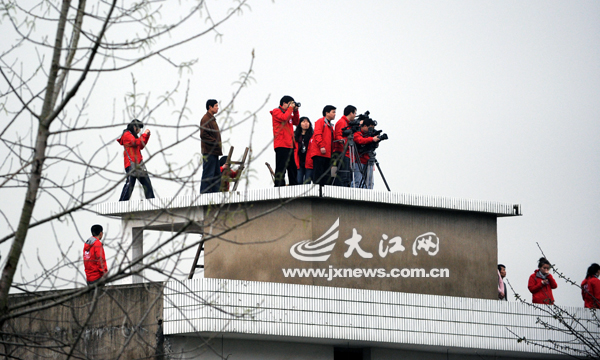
{"points": [[133, 143], [342, 161], [362, 138], [320, 151], [285, 117]]}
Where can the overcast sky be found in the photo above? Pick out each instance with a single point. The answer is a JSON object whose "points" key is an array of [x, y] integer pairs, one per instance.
{"points": [[489, 100]]}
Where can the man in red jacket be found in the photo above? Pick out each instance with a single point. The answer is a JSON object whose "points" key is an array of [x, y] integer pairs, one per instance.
{"points": [[94, 260], [361, 138], [285, 117], [323, 146], [342, 162]]}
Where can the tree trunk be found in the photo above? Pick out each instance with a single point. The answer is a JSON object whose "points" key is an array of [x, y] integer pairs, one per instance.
{"points": [[39, 156]]}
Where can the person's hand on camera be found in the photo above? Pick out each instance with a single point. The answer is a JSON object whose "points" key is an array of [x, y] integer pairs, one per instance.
{"points": [[147, 131], [376, 138], [323, 151], [292, 105]]}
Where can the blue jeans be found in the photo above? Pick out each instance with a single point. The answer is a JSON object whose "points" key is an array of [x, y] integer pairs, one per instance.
{"points": [[304, 176], [211, 174]]}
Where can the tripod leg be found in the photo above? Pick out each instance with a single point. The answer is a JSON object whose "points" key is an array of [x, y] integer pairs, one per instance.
{"points": [[383, 177]]}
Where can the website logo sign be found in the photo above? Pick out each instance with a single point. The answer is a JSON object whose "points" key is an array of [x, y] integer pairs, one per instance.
{"points": [[317, 250]]}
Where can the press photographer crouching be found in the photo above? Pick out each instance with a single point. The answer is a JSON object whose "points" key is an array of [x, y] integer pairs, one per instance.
{"points": [[132, 154], [366, 140]]}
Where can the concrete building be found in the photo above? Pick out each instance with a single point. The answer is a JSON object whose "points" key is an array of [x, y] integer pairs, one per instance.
{"points": [[330, 273]]}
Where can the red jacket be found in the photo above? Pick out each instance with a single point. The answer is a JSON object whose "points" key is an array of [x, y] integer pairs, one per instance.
{"points": [[133, 147], [338, 146], [227, 179], [590, 291], [542, 294], [283, 127], [361, 139], [93, 259], [323, 138], [308, 162]]}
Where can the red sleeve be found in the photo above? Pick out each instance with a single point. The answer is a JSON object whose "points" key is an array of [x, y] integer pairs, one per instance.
{"points": [[594, 289], [534, 286], [281, 117], [553, 284], [361, 140], [130, 141], [318, 134], [144, 139], [99, 257], [296, 118]]}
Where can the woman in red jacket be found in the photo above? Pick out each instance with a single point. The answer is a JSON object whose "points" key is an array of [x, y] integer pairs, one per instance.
{"points": [[590, 287], [133, 159], [302, 137], [541, 284]]}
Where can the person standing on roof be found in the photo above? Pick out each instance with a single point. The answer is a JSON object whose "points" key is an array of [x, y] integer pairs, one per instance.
{"points": [[135, 169], [285, 117], [210, 142]]}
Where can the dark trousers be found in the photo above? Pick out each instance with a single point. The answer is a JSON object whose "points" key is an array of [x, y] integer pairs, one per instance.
{"points": [[342, 177], [211, 174], [321, 170], [130, 184], [284, 160]]}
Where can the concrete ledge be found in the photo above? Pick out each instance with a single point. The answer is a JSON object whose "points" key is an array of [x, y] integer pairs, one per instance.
{"points": [[310, 191], [379, 318]]}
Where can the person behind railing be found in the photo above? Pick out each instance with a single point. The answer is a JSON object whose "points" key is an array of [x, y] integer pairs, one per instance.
{"points": [[227, 173], [132, 154], [502, 289], [590, 287], [541, 283], [302, 137], [94, 260]]}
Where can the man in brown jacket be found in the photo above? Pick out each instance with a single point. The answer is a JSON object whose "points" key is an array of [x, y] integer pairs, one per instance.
{"points": [[210, 138]]}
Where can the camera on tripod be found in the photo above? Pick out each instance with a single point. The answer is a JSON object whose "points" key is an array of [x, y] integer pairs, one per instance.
{"points": [[354, 125]]}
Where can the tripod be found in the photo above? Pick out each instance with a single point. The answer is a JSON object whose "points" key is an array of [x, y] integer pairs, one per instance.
{"points": [[366, 175]]}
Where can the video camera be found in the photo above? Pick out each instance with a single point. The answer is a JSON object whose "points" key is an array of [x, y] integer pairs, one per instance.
{"points": [[370, 148], [354, 125]]}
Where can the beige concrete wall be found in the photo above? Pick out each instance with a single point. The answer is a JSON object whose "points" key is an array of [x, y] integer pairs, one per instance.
{"points": [[117, 320], [260, 249]]}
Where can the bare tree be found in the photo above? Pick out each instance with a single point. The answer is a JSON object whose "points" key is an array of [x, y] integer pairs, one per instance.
{"points": [[573, 331], [54, 152]]}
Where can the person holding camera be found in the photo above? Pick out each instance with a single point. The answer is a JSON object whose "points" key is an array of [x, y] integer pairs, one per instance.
{"points": [[210, 142], [320, 152], [285, 117], [342, 162], [135, 169], [361, 138], [302, 137]]}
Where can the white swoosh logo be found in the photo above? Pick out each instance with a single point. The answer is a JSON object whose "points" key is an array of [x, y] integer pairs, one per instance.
{"points": [[317, 250]]}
